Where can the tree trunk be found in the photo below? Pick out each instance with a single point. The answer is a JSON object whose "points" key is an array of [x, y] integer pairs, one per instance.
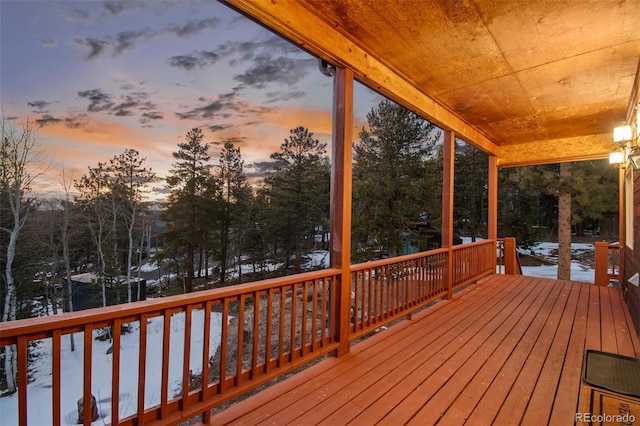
{"points": [[16, 150], [564, 223], [188, 279], [239, 266], [224, 245], [96, 234], [206, 264], [141, 248], [103, 263], [130, 225], [67, 265], [9, 313]]}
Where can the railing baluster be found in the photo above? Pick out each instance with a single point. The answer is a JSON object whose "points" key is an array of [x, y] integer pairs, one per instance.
{"points": [[142, 367], [186, 357], [206, 344], [86, 394], [314, 316], [370, 309], [390, 289], [115, 371], [256, 335], [166, 337], [303, 318], [267, 349], [281, 359], [56, 351], [326, 290], [293, 315], [357, 295], [224, 345], [22, 375], [240, 346]]}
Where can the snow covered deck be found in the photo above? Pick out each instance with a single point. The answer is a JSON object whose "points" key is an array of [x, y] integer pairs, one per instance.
{"points": [[507, 350]]}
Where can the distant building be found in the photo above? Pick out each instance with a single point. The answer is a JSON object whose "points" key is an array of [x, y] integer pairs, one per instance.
{"points": [[87, 291]]}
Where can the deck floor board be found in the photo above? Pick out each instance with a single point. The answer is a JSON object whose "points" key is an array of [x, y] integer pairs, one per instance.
{"points": [[508, 350], [569, 385]]}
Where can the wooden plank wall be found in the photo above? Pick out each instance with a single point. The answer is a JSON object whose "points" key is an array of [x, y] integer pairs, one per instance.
{"points": [[632, 257]]}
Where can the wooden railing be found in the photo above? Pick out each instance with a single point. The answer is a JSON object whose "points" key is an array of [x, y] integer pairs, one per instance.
{"points": [[607, 263], [473, 261], [228, 341], [507, 257], [385, 290], [277, 325]]}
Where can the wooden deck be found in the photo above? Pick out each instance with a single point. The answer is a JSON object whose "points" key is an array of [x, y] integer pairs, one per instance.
{"points": [[508, 350]]}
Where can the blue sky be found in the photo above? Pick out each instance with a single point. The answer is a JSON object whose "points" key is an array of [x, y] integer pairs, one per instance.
{"points": [[98, 77]]}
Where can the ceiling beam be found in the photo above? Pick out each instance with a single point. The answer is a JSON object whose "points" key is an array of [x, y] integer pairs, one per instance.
{"points": [[293, 21], [556, 151]]}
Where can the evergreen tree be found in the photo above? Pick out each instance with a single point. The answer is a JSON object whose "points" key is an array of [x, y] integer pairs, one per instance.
{"points": [[189, 207], [298, 193], [593, 197], [130, 179], [256, 245], [471, 191], [518, 215], [391, 180], [93, 201], [233, 204]]}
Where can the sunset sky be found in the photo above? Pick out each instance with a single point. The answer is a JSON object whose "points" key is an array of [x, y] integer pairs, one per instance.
{"points": [[100, 77]]}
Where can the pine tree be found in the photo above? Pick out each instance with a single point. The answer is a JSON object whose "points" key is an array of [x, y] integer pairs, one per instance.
{"points": [[130, 178], [517, 208], [471, 191], [298, 192], [233, 204], [256, 245], [592, 195], [391, 181], [188, 209], [93, 202]]}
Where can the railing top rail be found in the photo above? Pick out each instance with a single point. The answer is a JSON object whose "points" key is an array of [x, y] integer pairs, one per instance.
{"points": [[609, 245], [398, 259], [473, 244], [73, 319]]}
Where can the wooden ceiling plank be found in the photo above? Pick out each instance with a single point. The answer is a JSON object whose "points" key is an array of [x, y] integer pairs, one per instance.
{"points": [[583, 148]]}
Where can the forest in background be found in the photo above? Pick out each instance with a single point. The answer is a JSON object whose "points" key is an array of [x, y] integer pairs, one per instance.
{"points": [[215, 219]]}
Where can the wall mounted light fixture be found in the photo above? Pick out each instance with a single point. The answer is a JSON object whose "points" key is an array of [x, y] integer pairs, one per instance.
{"points": [[627, 148]]}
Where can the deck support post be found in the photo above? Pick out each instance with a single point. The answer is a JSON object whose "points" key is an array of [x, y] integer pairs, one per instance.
{"points": [[602, 264], [622, 225], [511, 257], [341, 187], [449, 150], [492, 232]]}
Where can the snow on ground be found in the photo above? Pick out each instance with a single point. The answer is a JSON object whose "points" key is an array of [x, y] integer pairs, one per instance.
{"points": [[579, 272], [39, 391], [40, 394], [149, 267]]}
